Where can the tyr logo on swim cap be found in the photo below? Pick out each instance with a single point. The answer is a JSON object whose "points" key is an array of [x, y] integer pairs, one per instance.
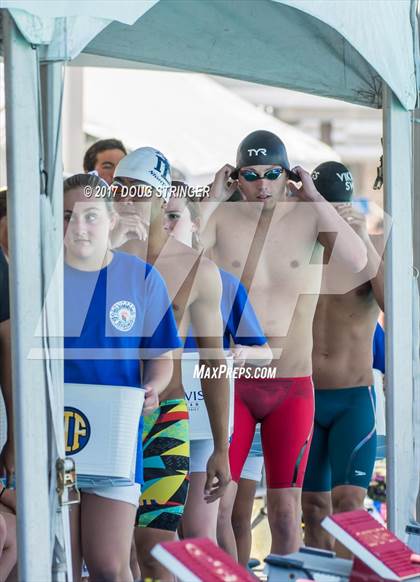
{"points": [[262, 148], [148, 165], [334, 181]]}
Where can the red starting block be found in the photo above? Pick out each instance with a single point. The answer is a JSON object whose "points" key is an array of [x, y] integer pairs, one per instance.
{"points": [[379, 555], [200, 560]]}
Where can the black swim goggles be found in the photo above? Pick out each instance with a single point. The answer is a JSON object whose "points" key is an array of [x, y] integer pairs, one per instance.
{"points": [[253, 176], [273, 174]]}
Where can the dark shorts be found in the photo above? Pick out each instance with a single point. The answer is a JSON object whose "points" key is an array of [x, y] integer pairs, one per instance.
{"points": [[343, 448]]}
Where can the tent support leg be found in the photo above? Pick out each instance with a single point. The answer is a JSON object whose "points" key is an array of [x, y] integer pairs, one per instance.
{"points": [[416, 242], [398, 307], [52, 239], [30, 407]]}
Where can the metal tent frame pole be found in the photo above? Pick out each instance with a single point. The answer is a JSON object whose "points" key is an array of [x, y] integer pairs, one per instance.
{"points": [[416, 209], [30, 406], [398, 309], [52, 85], [416, 244]]}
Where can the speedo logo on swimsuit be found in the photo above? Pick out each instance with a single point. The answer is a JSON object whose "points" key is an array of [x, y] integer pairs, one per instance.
{"points": [[359, 473], [76, 430]]}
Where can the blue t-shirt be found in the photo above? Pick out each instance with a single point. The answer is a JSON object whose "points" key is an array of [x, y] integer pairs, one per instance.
{"points": [[239, 319], [115, 316], [379, 349]]}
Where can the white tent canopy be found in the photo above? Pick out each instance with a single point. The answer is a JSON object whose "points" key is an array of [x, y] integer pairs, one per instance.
{"points": [[335, 49], [361, 52], [199, 127]]}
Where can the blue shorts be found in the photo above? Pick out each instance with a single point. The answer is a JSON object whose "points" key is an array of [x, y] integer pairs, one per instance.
{"points": [[343, 448]]}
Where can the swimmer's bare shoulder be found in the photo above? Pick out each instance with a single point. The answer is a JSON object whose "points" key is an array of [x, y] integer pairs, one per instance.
{"points": [[176, 249], [205, 305], [208, 277], [224, 216]]}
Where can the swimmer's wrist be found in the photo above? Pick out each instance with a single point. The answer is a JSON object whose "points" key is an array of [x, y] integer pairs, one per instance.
{"points": [[317, 197], [221, 447]]}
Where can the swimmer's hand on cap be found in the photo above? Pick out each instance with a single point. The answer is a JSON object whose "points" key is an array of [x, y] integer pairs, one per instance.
{"points": [[223, 185], [218, 475], [129, 227], [151, 399], [307, 191], [354, 219]]}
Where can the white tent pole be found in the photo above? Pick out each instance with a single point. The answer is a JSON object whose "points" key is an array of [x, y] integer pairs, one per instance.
{"points": [[33, 514], [52, 87], [416, 207], [52, 97], [416, 223], [52, 233], [73, 134], [398, 308]]}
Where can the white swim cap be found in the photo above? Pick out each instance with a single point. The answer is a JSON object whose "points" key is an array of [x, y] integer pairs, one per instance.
{"points": [[148, 165]]}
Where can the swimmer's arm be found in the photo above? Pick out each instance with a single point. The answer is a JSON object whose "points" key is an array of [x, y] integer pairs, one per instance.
{"points": [[157, 372], [207, 209], [221, 190], [206, 319], [375, 260], [215, 391], [207, 230], [334, 234], [339, 239], [255, 355]]}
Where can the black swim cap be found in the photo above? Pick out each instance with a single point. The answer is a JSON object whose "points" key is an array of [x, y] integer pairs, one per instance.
{"points": [[262, 148], [334, 181]]}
